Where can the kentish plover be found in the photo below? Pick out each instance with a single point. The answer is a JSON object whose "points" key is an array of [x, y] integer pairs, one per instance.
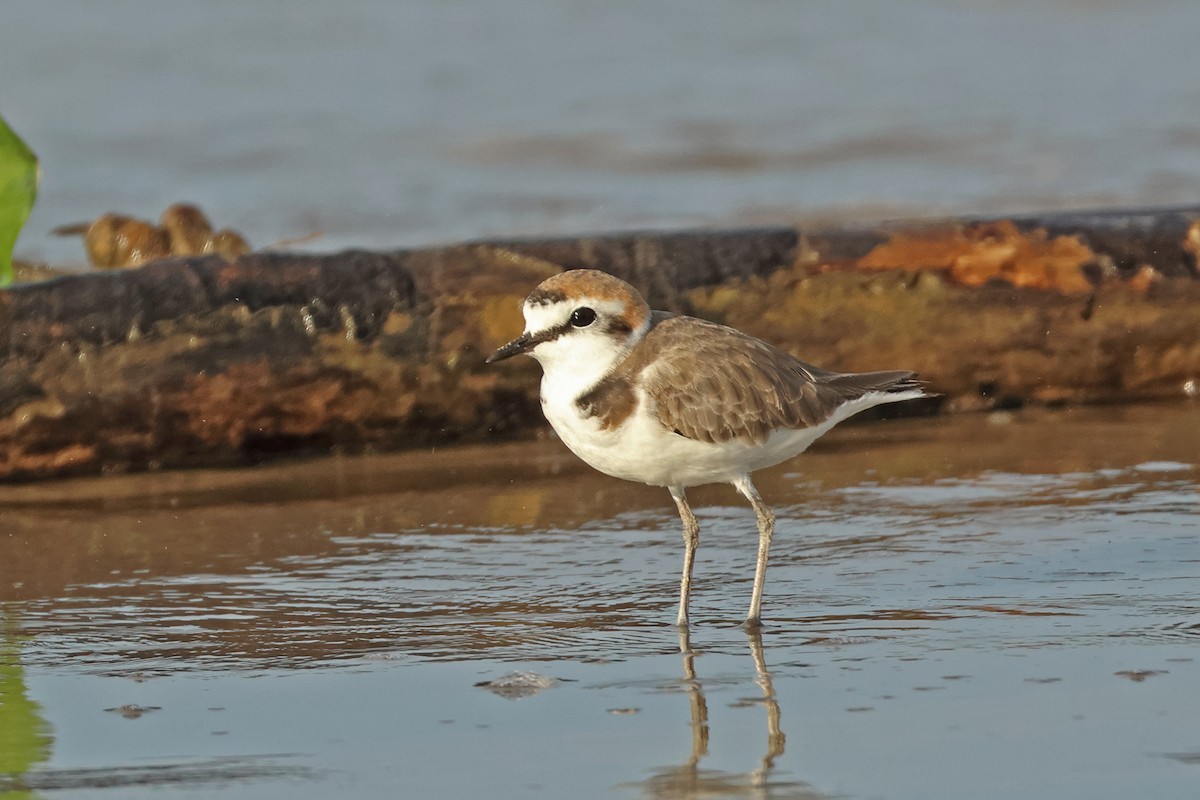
{"points": [[676, 401]]}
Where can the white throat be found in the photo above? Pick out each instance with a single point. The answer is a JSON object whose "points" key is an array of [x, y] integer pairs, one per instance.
{"points": [[576, 361]]}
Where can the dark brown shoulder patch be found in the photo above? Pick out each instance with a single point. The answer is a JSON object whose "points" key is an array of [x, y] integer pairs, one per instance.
{"points": [[612, 400]]}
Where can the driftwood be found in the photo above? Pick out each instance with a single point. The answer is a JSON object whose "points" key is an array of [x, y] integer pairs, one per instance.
{"points": [[202, 361]]}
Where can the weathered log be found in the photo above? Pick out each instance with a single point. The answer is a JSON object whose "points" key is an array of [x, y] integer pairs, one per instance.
{"points": [[199, 361]]}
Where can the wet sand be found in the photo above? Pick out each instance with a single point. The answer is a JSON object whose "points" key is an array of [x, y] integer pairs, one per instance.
{"points": [[969, 606]]}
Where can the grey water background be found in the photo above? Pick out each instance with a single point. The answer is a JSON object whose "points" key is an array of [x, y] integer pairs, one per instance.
{"points": [[383, 124]]}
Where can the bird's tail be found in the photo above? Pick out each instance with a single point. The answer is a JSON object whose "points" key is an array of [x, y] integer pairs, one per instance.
{"points": [[891, 382]]}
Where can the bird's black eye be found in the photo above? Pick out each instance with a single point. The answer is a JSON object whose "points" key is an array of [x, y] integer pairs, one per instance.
{"points": [[582, 317]]}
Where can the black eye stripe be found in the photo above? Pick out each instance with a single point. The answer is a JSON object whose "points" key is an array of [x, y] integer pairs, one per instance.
{"points": [[618, 326], [550, 334]]}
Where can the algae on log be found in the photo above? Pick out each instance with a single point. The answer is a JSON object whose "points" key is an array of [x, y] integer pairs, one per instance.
{"points": [[199, 361]]}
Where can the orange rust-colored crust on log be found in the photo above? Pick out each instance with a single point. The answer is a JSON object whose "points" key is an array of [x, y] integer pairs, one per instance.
{"points": [[976, 254]]}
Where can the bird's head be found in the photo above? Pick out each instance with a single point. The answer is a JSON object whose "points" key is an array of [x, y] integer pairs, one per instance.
{"points": [[583, 318]]}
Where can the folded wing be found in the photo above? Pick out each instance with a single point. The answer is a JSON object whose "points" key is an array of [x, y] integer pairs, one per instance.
{"points": [[714, 384]]}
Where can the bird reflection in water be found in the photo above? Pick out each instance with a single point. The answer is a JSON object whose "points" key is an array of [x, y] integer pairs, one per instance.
{"points": [[688, 780]]}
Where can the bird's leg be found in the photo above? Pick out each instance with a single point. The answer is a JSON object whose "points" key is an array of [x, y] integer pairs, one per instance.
{"points": [[775, 737], [766, 527], [698, 701], [691, 537]]}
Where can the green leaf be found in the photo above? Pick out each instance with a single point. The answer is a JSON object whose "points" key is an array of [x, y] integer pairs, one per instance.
{"points": [[19, 176], [25, 738]]}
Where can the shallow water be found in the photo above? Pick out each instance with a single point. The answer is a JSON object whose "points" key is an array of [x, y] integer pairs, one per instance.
{"points": [[379, 124], [972, 606]]}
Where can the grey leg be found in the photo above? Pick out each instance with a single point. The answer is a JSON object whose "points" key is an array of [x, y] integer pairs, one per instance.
{"points": [[775, 737], [766, 527], [691, 537], [698, 702]]}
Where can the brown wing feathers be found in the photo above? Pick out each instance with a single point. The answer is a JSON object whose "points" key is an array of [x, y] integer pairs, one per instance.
{"points": [[713, 383]]}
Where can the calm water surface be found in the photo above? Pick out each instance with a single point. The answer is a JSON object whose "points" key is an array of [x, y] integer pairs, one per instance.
{"points": [[977, 606]]}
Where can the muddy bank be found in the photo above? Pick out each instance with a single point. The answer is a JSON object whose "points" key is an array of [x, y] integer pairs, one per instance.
{"points": [[195, 361]]}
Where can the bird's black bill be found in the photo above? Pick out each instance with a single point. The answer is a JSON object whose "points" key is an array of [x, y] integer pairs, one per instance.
{"points": [[521, 344], [527, 341]]}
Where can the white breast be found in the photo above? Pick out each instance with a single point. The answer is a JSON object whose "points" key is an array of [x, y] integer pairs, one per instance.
{"points": [[642, 450]]}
